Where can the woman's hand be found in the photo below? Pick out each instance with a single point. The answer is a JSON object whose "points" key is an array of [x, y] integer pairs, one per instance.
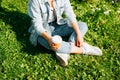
{"points": [[53, 46], [79, 40], [49, 39]]}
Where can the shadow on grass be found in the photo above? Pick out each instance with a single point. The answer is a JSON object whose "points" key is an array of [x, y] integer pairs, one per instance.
{"points": [[20, 23]]}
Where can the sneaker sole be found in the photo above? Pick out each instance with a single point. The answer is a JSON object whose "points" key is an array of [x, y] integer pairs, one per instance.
{"points": [[62, 62]]}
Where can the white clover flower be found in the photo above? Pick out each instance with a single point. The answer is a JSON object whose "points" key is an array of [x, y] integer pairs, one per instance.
{"points": [[98, 9], [92, 11], [107, 12], [118, 11], [113, 1], [91, 5]]}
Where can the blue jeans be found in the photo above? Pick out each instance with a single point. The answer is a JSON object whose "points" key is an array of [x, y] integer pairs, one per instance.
{"points": [[63, 30]]}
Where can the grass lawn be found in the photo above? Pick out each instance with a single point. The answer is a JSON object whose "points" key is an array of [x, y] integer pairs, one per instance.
{"points": [[19, 60]]}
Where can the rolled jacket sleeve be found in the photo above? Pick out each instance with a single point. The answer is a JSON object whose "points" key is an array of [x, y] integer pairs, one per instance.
{"points": [[69, 12], [35, 13]]}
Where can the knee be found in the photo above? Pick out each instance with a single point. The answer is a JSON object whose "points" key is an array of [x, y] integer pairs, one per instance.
{"points": [[83, 26], [65, 47]]}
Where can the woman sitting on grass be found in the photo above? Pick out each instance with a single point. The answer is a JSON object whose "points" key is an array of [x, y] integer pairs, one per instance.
{"points": [[47, 21]]}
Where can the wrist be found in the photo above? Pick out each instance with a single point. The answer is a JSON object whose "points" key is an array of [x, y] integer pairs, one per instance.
{"points": [[78, 33], [46, 36]]}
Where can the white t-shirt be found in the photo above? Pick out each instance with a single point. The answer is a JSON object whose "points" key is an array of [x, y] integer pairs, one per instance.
{"points": [[52, 15]]}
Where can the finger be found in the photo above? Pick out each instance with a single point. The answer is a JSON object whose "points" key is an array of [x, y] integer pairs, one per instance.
{"points": [[54, 48], [52, 44], [81, 43], [78, 44]]}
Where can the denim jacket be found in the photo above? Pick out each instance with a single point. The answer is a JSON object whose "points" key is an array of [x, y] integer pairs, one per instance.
{"points": [[38, 11]]}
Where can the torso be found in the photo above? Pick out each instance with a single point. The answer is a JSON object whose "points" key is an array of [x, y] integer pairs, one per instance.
{"points": [[52, 14]]}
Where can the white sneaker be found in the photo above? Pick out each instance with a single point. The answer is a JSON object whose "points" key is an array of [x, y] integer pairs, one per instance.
{"points": [[91, 50], [63, 58]]}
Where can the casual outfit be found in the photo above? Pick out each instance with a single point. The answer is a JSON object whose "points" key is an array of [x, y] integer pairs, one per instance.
{"points": [[38, 10], [50, 20]]}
